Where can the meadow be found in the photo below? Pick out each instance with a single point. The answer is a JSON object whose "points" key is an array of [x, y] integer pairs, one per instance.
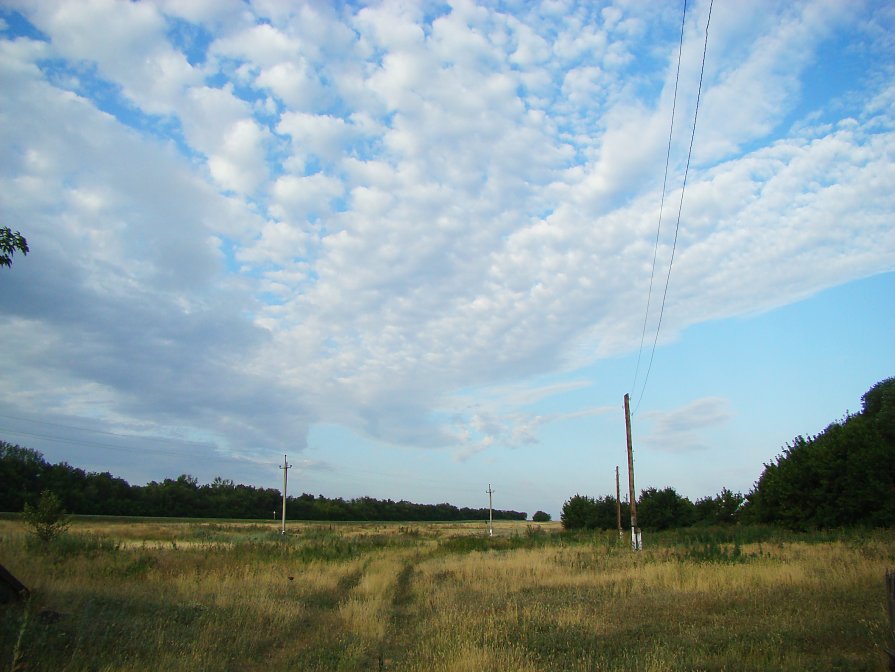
{"points": [[131, 594]]}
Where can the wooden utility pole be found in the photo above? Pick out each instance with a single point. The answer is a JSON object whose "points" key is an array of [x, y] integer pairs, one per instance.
{"points": [[636, 539], [286, 467], [618, 504], [490, 515]]}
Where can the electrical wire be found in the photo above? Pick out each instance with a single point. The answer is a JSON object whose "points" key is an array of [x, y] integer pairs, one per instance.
{"points": [[680, 206], [649, 295]]}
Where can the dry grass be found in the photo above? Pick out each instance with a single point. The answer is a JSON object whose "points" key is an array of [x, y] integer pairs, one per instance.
{"points": [[236, 596]]}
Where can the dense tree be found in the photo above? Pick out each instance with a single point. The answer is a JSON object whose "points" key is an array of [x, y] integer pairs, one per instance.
{"points": [[541, 517], [10, 241], [592, 514], [844, 476], [664, 509], [24, 473], [722, 509], [607, 514], [579, 512], [21, 470]]}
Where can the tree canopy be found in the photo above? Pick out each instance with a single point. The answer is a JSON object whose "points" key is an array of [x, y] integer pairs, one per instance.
{"points": [[24, 474], [843, 477], [10, 241]]}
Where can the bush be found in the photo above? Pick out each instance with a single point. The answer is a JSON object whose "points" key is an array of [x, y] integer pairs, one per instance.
{"points": [[579, 512], [664, 509], [48, 520], [541, 517]]}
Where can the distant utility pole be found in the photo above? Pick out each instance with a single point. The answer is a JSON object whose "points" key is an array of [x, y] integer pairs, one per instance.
{"points": [[490, 515], [286, 467], [636, 538], [618, 503]]}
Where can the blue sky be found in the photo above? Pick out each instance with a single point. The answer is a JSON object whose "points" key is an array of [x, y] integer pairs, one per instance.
{"points": [[410, 244]]}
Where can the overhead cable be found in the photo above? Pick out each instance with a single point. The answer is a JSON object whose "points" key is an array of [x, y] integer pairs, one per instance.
{"points": [[680, 206], [649, 295]]}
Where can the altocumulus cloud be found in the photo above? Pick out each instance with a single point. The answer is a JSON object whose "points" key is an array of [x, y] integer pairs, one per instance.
{"points": [[250, 218]]}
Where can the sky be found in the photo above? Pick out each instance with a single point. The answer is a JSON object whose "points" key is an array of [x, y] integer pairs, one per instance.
{"points": [[422, 248]]}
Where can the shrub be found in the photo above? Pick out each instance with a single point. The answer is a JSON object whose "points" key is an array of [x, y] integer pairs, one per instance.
{"points": [[664, 509], [48, 520], [579, 512], [541, 517]]}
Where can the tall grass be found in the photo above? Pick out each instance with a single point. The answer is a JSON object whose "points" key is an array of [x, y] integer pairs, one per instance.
{"points": [[113, 595]]}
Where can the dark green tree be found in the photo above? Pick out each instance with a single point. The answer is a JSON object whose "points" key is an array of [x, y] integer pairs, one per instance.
{"points": [[843, 477], [579, 512], [10, 241], [664, 509], [21, 470], [722, 509], [607, 518], [541, 517]]}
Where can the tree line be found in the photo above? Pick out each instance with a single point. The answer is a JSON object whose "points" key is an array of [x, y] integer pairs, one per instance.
{"points": [[25, 474], [842, 477]]}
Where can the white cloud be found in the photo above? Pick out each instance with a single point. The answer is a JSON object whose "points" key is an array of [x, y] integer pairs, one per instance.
{"points": [[293, 82], [240, 161], [746, 99], [323, 136], [296, 198], [130, 49], [220, 125], [418, 201], [681, 430]]}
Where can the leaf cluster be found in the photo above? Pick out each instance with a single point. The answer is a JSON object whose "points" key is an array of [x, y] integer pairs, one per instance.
{"points": [[10, 241], [843, 477], [47, 520]]}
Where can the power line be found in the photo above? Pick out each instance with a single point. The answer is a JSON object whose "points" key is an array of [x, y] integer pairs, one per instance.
{"points": [[649, 295], [680, 206]]}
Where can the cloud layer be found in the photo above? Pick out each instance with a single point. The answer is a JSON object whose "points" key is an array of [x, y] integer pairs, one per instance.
{"points": [[247, 219]]}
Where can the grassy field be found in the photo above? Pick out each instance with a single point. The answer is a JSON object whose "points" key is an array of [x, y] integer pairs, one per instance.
{"points": [[116, 594]]}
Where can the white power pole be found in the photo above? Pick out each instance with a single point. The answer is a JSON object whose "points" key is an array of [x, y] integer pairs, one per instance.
{"points": [[490, 515], [286, 466]]}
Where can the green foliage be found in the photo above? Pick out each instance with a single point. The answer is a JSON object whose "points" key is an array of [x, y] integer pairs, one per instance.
{"points": [[541, 517], [24, 473], [844, 476], [87, 545], [48, 520], [579, 512], [664, 509], [20, 473], [722, 509], [10, 241]]}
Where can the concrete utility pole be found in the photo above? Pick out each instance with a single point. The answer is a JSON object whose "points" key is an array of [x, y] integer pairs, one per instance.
{"points": [[490, 515], [618, 504], [286, 467], [636, 538]]}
